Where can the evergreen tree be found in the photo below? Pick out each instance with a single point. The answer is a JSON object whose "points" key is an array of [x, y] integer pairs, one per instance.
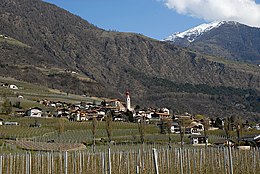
{"points": [[129, 116]]}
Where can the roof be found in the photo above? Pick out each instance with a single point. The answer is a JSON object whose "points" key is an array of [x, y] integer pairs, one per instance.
{"points": [[35, 108], [255, 137], [223, 141], [164, 114], [114, 100], [198, 136]]}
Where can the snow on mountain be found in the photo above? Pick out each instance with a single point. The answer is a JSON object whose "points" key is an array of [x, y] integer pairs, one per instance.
{"points": [[191, 34]]}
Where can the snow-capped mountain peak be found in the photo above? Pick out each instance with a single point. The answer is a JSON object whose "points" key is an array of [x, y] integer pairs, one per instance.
{"points": [[191, 34]]}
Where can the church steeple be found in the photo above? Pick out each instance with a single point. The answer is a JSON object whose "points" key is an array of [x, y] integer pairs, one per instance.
{"points": [[128, 101]]}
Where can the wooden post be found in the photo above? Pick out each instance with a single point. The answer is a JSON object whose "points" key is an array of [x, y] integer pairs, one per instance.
{"points": [[155, 159], [181, 165], [230, 159], [66, 163], [109, 161], [103, 163], [138, 163], [1, 164]]}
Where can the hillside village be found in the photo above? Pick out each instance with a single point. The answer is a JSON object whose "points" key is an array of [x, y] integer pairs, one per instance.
{"points": [[124, 112]]}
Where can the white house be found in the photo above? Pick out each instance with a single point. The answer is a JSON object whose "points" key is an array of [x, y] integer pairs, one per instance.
{"points": [[13, 87], [175, 128], [34, 112], [198, 139]]}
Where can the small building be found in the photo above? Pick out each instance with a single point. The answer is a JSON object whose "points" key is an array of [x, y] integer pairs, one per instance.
{"points": [[11, 123], [20, 97], [252, 140], [192, 130], [175, 128], [34, 112], [198, 139], [13, 87], [19, 112], [224, 142], [63, 113]]}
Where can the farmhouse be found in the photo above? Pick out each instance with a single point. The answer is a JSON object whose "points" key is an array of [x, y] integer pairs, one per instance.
{"points": [[13, 87], [194, 128], [253, 140], [224, 142], [11, 123], [34, 112], [63, 112], [175, 128], [198, 139]]}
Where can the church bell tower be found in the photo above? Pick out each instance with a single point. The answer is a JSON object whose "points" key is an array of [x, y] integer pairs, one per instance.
{"points": [[128, 101]]}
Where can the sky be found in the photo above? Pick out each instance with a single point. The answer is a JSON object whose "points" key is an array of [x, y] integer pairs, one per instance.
{"points": [[160, 18]]}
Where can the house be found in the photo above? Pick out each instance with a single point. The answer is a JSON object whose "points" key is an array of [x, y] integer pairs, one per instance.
{"points": [[11, 123], [34, 112], [194, 128], [19, 112], [13, 87], [252, 140], [224, 142], [20, 96], [159, 116], [63, 113], [198, 140], [116, 103], [175, 128], [257, 127]]}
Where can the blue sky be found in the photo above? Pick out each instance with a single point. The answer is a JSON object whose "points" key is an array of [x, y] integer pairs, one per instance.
{"points": [[153, 18]]}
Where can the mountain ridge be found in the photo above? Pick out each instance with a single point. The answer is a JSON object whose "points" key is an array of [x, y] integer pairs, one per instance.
{"points": [[193, 33], [228, 39]]}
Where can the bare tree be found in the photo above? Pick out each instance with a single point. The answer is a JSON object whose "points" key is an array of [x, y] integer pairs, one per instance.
{"points": [[94, 130], [109, 119], [61, 126], [228, 129], [239, 129], [183, 123], [141, 128], [7, 106], [206, 125]]}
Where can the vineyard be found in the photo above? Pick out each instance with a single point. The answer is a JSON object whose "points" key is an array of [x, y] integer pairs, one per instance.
{"points": [[64, 147], [136, 160]]}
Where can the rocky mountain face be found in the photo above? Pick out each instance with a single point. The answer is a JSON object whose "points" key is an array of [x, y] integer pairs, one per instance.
{"points": [[46, 45], [227, 39]]}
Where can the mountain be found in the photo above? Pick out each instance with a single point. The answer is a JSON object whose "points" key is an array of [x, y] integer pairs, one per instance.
{"points": [[227, 39], [46, 45], [189, 36]]}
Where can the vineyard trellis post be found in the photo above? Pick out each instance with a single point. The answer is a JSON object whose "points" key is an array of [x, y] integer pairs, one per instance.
{"points": [[138, 162], [104, 163], [1, 164], [227, 127], [94, 130], [181, 162], [109, 161], [155, 159], [66, 162]]}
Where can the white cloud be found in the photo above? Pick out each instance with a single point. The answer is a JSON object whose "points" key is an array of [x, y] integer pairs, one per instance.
{"points": [[243, 11]]}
